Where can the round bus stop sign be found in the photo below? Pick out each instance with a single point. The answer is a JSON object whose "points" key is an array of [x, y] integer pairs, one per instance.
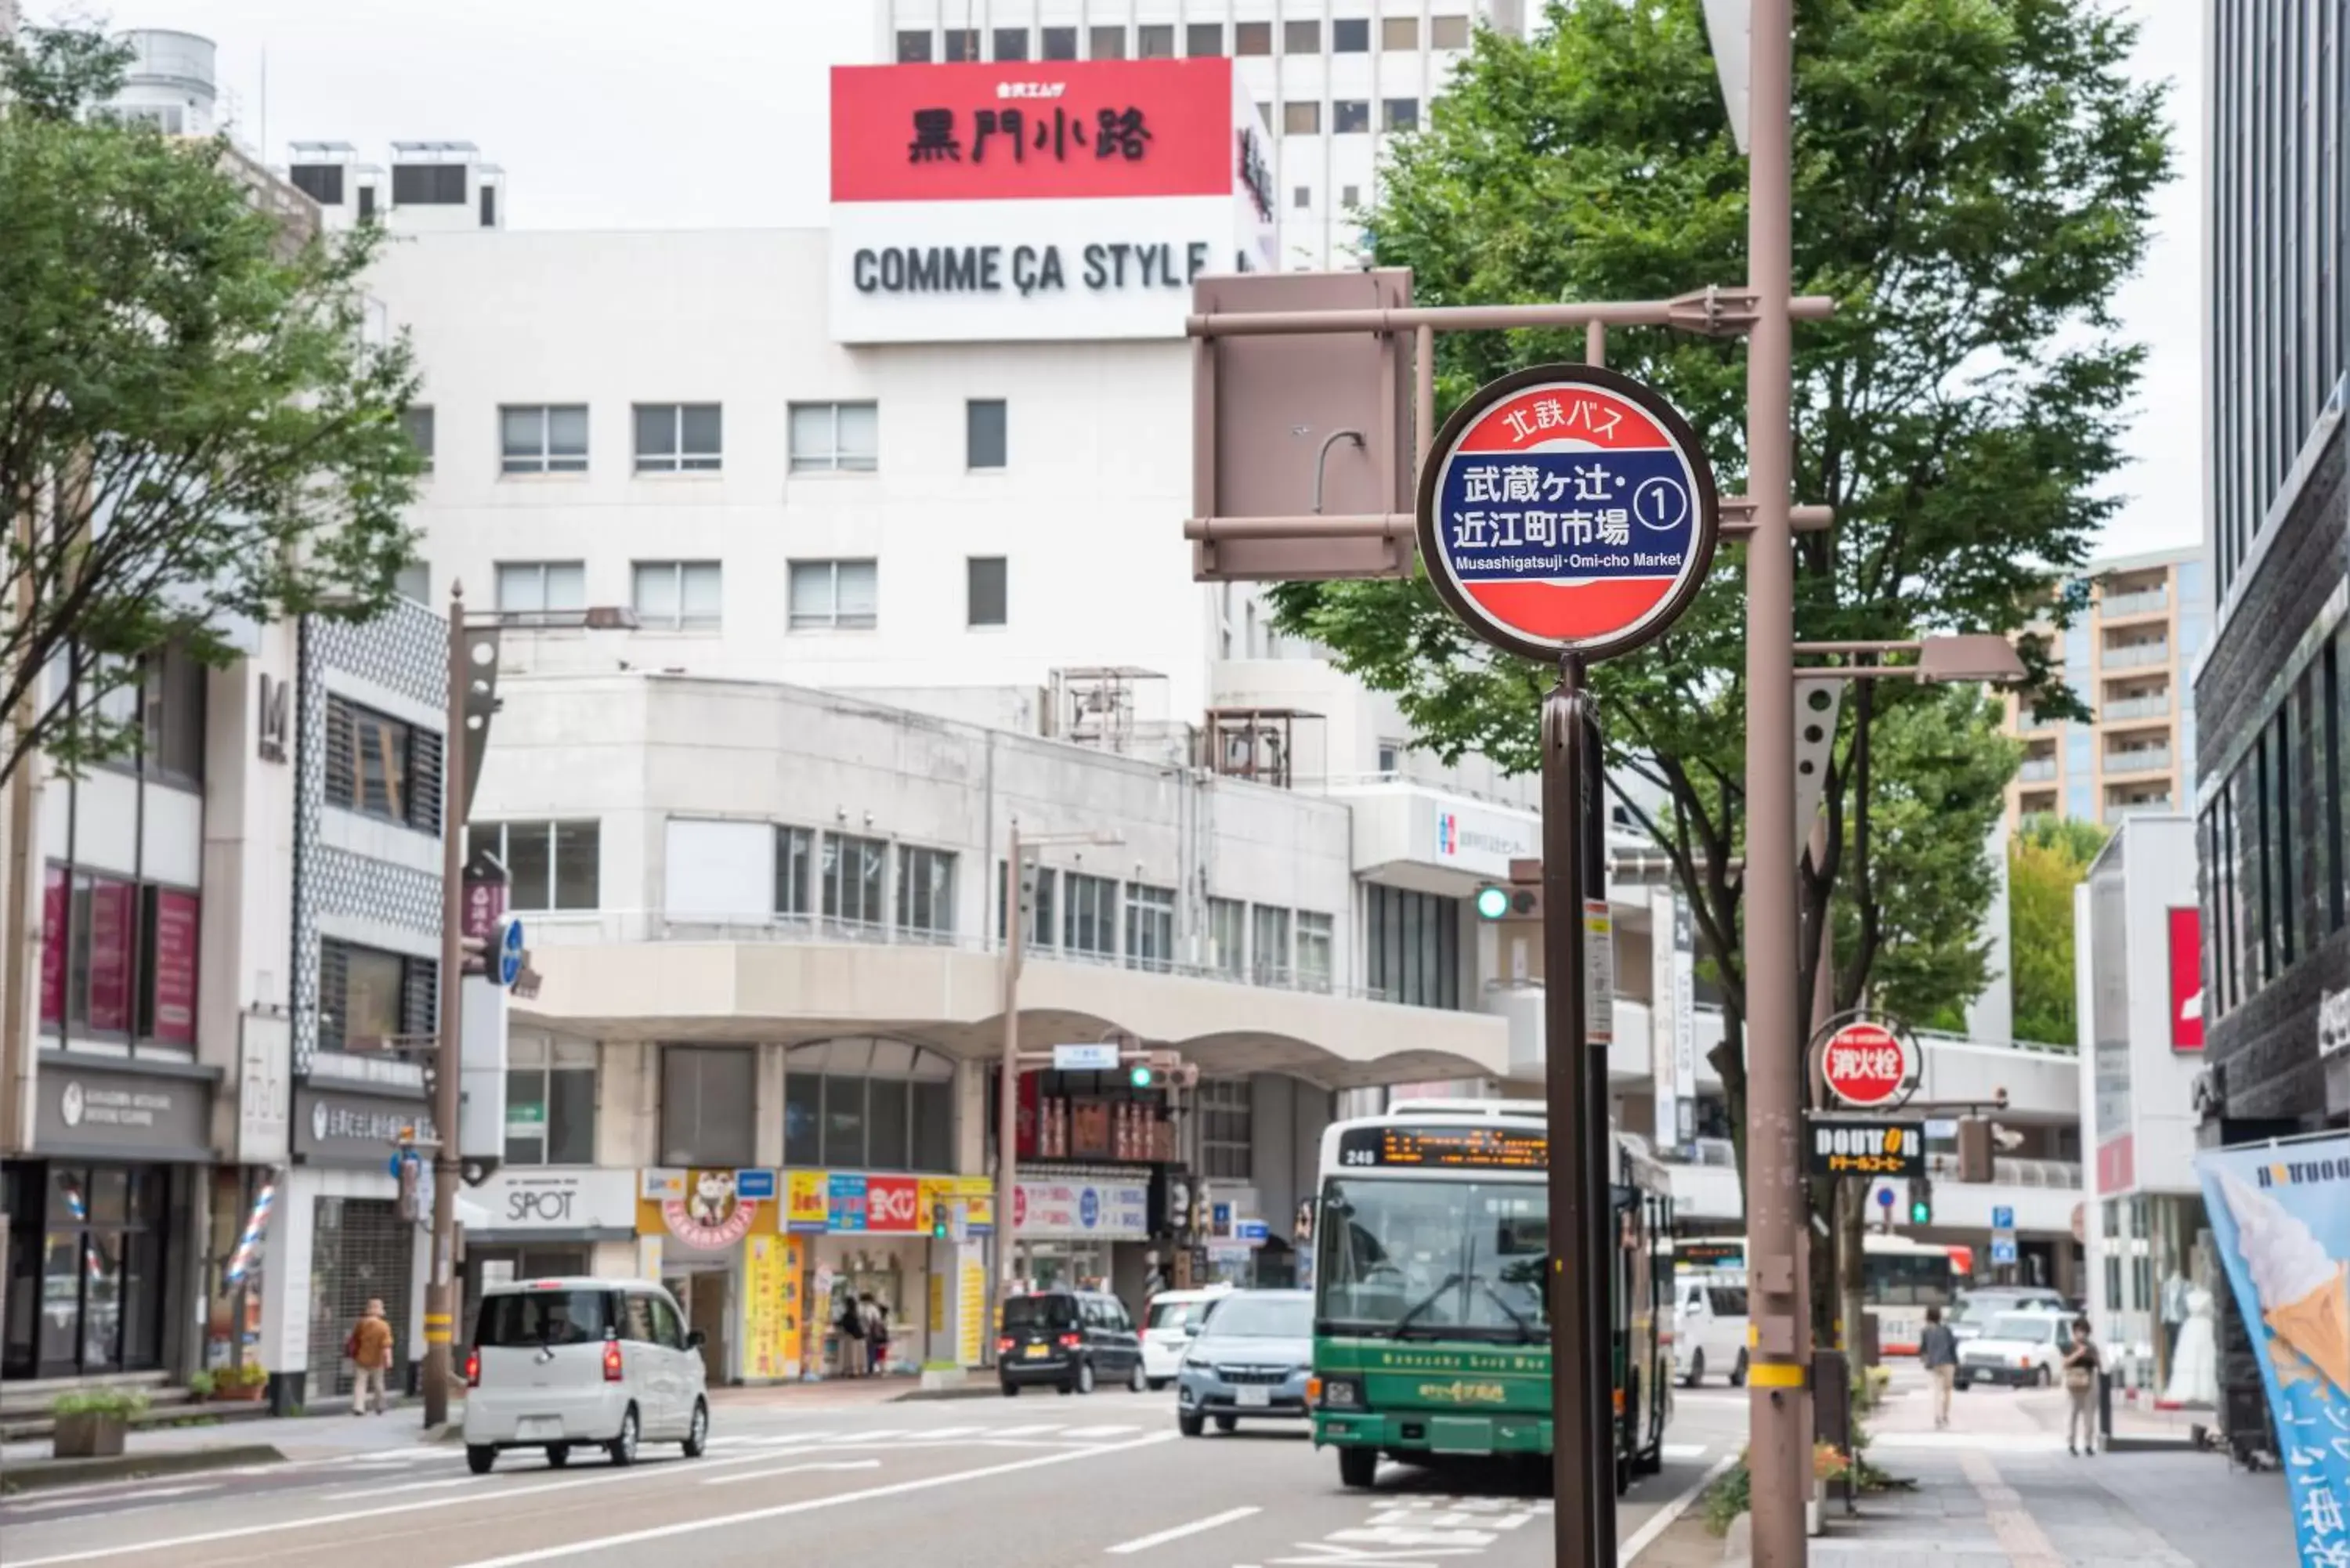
{"points": [[1567, 509]]}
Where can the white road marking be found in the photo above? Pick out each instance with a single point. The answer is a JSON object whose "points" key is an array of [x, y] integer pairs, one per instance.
{"points": [[1146, 1542], [1662, 1519], [793, 1470], [1099, 1431], [1683, 1451], [149, 1495], [360, 1494], [808, 1505], [934, 1434]]}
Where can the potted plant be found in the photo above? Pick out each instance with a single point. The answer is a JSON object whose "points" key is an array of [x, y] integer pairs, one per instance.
{"points": [[91, 1422], [247, 1381], [200, 1386]]}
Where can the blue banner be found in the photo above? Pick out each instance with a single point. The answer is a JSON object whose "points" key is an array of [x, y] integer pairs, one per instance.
{"points": [[2280, 1218]]}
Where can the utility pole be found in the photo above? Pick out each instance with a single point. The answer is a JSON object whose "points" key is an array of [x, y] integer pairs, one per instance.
{"points": [[439, 1294], [1007, 1110], [1778, 1450]]}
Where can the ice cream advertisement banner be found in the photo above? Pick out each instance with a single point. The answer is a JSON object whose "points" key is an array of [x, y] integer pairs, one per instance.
{"points": [[2280, 1216]]}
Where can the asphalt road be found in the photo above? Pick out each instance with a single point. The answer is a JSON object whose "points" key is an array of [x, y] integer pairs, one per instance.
{"points": [[1037, 1482]]}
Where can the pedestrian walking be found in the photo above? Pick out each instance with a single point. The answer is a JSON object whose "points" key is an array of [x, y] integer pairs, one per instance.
{"points": [[876, 1333], [2081, 1365], [1937, 1347], [370, 1348], [851, 1325]]}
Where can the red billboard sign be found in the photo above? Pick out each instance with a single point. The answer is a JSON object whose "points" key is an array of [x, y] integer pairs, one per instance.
{"points": [[1034, 129], [1868, 1064], [55, 909], [173, 967], [2185, 938], [892, 1203]]}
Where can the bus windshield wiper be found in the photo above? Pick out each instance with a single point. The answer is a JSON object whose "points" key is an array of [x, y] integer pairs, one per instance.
{"points": [[1524, 1325], [1425, 1302]]}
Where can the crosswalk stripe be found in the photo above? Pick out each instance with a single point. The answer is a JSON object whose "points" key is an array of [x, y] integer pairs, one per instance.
{"points": [[1099, 1431], [936, 1433]]}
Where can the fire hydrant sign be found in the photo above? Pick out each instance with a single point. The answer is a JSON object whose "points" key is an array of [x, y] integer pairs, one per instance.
{"points": [[1567, 509], [1870, 1064]]}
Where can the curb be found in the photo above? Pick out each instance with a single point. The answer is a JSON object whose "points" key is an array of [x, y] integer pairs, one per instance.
{"points": [[968, 1391], [43, 1473]]}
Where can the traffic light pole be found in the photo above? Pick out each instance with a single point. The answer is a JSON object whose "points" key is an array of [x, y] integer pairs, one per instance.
{"points": [[1582, 1432], [440, 1292], [1007, 1110]]}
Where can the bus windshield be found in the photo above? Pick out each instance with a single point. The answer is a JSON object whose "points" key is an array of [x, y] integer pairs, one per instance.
{"points": [[1423, 1259]]}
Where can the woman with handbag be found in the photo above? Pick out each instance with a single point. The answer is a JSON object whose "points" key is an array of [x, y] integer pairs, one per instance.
{"points": [[2081, 1365]]}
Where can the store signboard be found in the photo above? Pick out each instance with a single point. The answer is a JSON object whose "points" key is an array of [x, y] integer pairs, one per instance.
{"points": [[1078, 1209]]}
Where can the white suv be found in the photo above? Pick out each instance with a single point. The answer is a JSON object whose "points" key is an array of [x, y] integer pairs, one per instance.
{"points": [[564, 1363]]}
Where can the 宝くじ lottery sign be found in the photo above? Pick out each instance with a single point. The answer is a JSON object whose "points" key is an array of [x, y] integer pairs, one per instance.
{"points": [[1567, 509]]}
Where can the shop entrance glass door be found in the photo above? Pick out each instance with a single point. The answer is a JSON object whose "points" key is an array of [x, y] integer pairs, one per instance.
{"points": [[100, 1271], [708, 1305]]}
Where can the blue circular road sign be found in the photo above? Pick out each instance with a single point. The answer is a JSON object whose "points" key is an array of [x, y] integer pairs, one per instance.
{"points": [[509, 950]]}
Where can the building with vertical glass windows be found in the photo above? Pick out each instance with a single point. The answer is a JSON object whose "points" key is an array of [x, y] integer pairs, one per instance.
{"points": [[2269, 741]]}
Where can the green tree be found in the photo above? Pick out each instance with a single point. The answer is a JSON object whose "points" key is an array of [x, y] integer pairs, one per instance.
{"points": [[2046, 861], [193, 426], [1972, 182]]}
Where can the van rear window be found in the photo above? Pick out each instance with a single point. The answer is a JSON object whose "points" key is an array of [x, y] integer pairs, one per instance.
{"points": [[544, 1317], [1040, 1312]]}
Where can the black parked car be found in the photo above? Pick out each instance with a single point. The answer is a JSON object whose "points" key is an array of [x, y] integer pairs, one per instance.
{"points": [[1069, 1339]]}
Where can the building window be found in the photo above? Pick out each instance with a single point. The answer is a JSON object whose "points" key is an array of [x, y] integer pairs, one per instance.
{"points": [[380, 767], [835, 437], [913, 46], [709, 1099], [1448, 32], [985, 591], [1301, 116], [1149, 927], [1228, 938], [868, 1105], [1350, 196], [1413, 947], [428, 184], [1252, 38], [1227, 1141], [171, 694], [1399, 113], [414, 583], [1060, 43], [368, 996], [926, 893], [1350, 116], [834, 595], [550, 1102], [962, 44], [679, 596], [489, 206], [416, 424], [1155, 41], [1314, 952], [1399, 32], [1350, 35], [1107, 44], [541, 438], [854, 870], [1301, 38], [983, 433], [1044, 884], [677, 438], [539, 588], [1268, 937], [1090, 916], [127, 958], [1203, 40], [1302, 198], [1011, 43], [794, 855], [322, 182], [549, 864]]}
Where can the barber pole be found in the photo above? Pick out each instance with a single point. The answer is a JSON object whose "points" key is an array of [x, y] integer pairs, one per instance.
{"points": [[257, 1225]]}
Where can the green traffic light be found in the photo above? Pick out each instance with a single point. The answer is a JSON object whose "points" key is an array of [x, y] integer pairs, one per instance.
{"points": [[1139, 1077], [1493, 903], [1920, 1212]]}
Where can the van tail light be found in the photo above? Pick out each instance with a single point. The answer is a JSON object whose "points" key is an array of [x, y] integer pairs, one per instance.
{"points": [[1071, 1340], [473, 1367], [611, 1361], [1003, 1344]]}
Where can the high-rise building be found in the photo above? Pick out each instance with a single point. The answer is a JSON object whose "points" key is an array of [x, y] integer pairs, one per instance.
{"points": [[1331, 82], [2126, 658]]}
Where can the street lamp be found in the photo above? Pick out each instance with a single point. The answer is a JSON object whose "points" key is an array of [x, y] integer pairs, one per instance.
{"points": [[1007, 1111], [472, 699]]}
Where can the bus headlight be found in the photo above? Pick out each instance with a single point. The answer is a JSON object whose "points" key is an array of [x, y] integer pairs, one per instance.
{"points": [[1340, 1393]]}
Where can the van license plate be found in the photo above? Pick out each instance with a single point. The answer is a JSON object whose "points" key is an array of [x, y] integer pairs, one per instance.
{"points": [[539, 1428], [1035, 1352], [1254, 1399]]}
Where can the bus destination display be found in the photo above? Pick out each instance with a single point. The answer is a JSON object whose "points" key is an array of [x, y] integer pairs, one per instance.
{"points": [[1444, 1148]]}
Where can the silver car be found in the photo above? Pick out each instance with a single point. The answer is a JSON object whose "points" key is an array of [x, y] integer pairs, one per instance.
{"points": [[1249, 1361]]}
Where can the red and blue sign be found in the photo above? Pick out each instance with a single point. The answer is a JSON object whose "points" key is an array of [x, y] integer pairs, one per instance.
{"points": [[1567, 509]]}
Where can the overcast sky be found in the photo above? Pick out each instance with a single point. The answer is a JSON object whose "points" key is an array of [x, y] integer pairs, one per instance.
{"points": [[608, 114]]}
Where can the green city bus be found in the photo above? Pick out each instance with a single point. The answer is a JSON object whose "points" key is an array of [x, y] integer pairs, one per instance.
{"points": [[1431, 1327]]}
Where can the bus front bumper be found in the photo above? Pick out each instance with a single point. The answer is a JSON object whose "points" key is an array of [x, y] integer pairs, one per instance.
{"points": [[1404, 1433]]}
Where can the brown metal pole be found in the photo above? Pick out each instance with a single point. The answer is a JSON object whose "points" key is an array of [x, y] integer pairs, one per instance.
{"points": [[1779, 1459], [1573, 1223], [1007, 1110], [1598, 1239], [440, 1295], [19, 959]]}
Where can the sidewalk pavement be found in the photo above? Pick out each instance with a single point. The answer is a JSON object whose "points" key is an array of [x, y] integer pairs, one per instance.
{"points": [[1998, 1489]]}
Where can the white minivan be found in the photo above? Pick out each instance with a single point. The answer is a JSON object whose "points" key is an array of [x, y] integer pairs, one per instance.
{"points": [[558, 1365], [1167, 1330], [1709, 1325]]}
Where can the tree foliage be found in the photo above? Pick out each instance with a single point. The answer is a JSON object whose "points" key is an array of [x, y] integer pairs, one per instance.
{"points": [[1971, 181], [2045, 863], [194, 426]]}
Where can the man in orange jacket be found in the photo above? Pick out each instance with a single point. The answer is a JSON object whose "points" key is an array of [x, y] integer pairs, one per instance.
{"points": [[370, 1348]]}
